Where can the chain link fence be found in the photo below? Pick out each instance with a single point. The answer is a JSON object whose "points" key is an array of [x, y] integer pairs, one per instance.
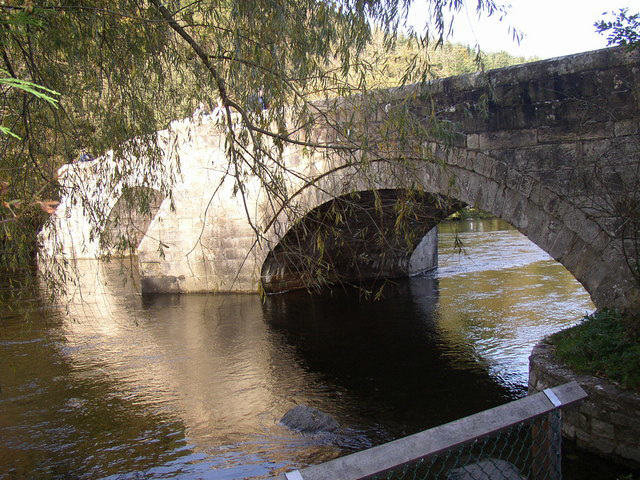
{"points": [[528, 450], [517, 441]]}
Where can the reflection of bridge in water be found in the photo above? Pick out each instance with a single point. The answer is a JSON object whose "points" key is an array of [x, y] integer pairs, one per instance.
{"points": [[227, 367], [203, 362], [557, 147]]}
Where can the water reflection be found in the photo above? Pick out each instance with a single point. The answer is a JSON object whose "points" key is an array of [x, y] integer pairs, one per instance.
{"points": [[125, 386], [385, 360], [207, 361]]}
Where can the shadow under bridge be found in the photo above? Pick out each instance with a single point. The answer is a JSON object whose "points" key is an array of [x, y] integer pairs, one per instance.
{"points": [[359, 237]]}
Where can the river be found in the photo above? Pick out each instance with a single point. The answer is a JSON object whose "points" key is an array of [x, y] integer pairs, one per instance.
{"points": [[116, 385]]}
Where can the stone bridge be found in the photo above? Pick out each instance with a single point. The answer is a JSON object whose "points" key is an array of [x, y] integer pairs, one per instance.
{"points": [[552, 147]]}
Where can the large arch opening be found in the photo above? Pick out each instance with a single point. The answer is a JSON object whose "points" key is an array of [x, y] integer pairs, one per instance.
{"points": [[359, 237], [130, 218]]}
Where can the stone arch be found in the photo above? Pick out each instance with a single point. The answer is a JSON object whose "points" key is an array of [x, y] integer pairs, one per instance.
{"points": [[130, 218], [458, 177]]}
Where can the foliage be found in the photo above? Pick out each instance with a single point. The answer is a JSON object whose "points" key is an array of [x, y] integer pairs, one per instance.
{"points": [[388, 64], [38, 91], [624, 29], [604, 344]]}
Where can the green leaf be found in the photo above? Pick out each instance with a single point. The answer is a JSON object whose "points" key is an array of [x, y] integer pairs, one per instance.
{"points": [[30, 87], [8, 131]]}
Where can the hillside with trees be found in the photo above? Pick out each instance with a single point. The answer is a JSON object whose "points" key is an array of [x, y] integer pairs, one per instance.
{"points": [[406, 60]]}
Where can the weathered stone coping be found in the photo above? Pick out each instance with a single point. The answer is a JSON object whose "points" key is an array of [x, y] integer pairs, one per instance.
{"points": [[606, 423]]}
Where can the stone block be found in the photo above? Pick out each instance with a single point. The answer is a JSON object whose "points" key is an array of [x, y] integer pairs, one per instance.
{"points": [[583, 437], [185, 224], [538, 194], [463, 159], [473, 187], [556, 134], [568, 431], [473, 141], [556, 206], [514, 209], [597, 149], [578, 261], [514, 177], [629, 451], [586, 229], [482, 164], [596, 130], [601, 241], [500, 171], [577, 419], [541, 228], [487, 198], [513, 119], [597, 273], [602, 429], [626, 127], [610, 404], [628, 402], [233, 243], [563, 243], [601, 445], [525, 186], [499, 202], [468, 162], [627, 435], [507, 139], [509, 93]]}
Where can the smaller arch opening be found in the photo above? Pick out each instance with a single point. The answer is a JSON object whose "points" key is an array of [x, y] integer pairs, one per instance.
{"points": [[130, 218], [356, 238]]}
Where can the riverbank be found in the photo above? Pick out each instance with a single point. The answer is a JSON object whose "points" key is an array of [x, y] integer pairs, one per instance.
{"points": [[607, 423]]}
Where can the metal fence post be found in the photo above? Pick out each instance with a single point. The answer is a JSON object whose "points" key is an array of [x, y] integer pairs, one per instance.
{"points": [[546, 445]]}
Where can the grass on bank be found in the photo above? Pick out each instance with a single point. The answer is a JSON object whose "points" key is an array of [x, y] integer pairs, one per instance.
{"points": [[604, 344]]}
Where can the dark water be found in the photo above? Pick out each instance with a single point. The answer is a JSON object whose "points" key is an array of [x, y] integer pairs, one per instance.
{"points": [[119, 386]]}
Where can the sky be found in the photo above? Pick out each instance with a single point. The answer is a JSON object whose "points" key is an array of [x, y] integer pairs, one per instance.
{"points": [[552, 28]]}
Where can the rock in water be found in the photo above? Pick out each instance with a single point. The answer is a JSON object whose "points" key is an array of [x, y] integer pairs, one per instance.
{"points": [[309, 420]]}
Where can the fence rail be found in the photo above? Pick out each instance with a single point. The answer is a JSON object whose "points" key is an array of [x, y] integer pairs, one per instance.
{"points": [[518, 440]]}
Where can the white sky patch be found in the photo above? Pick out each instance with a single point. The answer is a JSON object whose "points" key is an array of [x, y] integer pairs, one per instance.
{"points": [[552, 28]]}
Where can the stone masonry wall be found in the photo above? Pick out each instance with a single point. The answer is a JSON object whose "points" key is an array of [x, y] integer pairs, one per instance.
{"points": [[537, 145], [606, 423]]}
